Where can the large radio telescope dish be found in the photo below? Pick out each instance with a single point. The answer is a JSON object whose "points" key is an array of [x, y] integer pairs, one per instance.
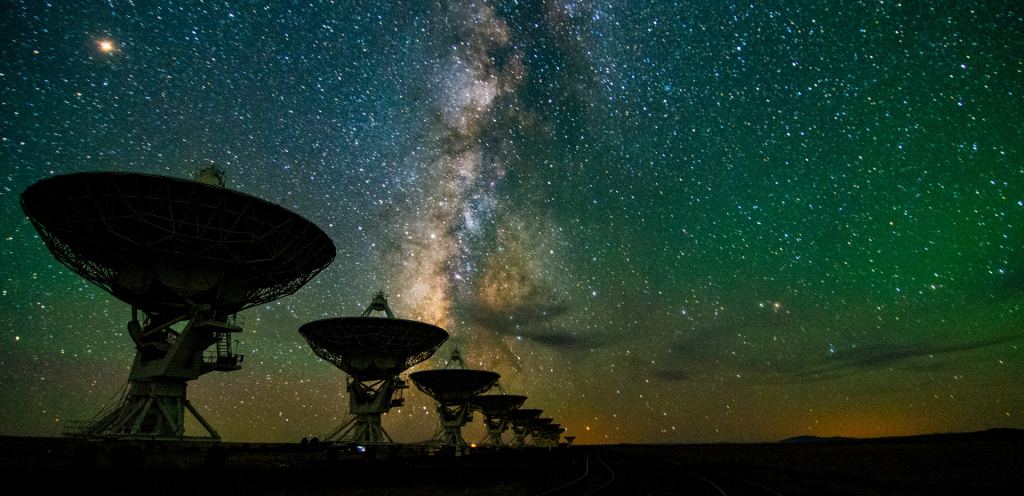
{"points": [[162, 244], [372, 348], [178, 251]]}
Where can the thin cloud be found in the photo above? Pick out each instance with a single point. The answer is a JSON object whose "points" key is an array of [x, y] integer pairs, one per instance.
{"points": [[534, 323], [882, 356]]}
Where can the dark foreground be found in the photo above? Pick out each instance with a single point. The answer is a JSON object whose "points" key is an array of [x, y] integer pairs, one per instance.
{"points": [[940, 466]]}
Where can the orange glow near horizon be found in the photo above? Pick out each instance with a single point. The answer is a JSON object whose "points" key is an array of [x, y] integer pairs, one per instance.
{"points": [[870, 425]]}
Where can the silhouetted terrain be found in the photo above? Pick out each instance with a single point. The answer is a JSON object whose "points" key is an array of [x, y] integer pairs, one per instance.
{"points": [[974, 463], [1000, 434]]}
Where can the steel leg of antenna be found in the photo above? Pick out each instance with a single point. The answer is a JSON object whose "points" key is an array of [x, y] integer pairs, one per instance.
{"points": [[385, 433], [155, 404], [493, 438], [177, 425], [451, 421], [89, 429], [202, 421], [361, 428], [152, 409], [118, 418], [495, 426], [141, 416], [126, 419], [362, 431], [369, 430], [519, 440], [368, 400], [342, 429], [452, 436]]}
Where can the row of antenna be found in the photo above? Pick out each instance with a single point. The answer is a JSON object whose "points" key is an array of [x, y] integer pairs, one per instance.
{"points": [[187, 256], [374, 351]]}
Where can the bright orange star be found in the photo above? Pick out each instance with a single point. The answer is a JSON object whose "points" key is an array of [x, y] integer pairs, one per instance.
{"points": [[105, 46]]}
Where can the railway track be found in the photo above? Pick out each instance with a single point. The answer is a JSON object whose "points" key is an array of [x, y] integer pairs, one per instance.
{"points": [[597, 477], [731, 485]]}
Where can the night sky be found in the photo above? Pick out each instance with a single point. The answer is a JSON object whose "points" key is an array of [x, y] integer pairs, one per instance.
{"points": [[661, 221]]}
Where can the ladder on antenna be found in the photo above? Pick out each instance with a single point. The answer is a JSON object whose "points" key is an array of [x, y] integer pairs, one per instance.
{"points": [[222, 356]]}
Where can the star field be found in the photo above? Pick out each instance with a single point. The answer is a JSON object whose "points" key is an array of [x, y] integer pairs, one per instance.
{"points": [[668, 222]]}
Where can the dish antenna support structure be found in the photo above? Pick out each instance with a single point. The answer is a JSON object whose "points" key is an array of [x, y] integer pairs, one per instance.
{"points": [[547, 436], [454, 390], [186, 256], [373, 351], [535, 429], [496, 409], [520, 420]]}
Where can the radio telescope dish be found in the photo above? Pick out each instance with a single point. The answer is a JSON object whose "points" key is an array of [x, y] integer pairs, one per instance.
{"points": [[498, 404], [523, 415], [534, 428], [373, 351], [547, 436], [162, 244], [179, 252], [454, 390], [452, 387], [496, 409], [373, 348], [540, 422], [520, 420]]}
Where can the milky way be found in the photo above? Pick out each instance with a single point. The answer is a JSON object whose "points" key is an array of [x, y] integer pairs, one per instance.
{"points": [[662, 222], [456, 192]]}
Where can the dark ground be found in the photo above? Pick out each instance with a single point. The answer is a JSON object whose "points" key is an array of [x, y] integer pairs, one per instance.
{"points": [[971, 464]]}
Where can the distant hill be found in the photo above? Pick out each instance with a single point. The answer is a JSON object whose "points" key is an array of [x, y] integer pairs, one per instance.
{"points": [[818, 440], [999, 434]]}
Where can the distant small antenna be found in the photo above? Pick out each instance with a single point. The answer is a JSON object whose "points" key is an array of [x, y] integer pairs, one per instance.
{"points": [[456, 359], [379, 304]]}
